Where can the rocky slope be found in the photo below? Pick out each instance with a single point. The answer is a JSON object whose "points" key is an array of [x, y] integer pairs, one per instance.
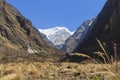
{"points": [[19, 40], [105, 30], [74, 39], [57, 35]]}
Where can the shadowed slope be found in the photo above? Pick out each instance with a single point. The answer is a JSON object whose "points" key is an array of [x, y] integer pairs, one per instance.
{"points": [[106, 29]]}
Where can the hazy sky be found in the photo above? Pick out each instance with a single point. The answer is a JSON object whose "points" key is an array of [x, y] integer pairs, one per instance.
{"points": [[51, 13]]}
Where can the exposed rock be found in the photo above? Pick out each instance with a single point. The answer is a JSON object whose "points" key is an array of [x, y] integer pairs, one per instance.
{"points": [[72, 42], [18, 38], [106, 29]]}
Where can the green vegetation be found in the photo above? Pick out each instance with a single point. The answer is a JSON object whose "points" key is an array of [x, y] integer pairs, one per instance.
{"points": [[97, 78]]}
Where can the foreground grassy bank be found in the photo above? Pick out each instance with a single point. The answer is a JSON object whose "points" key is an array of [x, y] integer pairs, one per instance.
{"points": [[59, 71]]}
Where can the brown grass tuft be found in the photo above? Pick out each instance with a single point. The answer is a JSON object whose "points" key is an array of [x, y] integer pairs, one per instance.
{"points": [[58, 71]]}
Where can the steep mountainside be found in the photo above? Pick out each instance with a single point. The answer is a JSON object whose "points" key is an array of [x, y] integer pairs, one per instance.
{"points": [[18, 38], [106, 29], [57, 35], [73, 40]]}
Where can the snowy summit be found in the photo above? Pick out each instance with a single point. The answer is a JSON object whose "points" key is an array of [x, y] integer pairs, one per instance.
{"points": [[57, 35]]}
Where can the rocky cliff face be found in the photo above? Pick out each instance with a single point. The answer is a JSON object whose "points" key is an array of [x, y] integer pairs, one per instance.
{"points": [[105, 29], [18, 38], [75, 39]]}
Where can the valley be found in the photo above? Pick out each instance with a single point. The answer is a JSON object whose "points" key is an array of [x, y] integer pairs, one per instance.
{"points": [[89, 53]]}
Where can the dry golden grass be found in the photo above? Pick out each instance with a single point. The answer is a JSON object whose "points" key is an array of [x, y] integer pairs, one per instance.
{"points": [[81, 55], [58, 71]]}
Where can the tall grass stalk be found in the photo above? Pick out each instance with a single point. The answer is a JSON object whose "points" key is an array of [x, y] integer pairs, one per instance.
{"points": [[115, 55], [104, 51], [112, 60]]}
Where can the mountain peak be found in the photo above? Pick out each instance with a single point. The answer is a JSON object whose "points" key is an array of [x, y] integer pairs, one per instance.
{"points": [[57, 35], [54, 30], [74, 39], [105, 30], [63, 28]]}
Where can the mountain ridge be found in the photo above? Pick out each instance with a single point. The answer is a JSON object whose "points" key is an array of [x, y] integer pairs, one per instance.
{"points": [[105, 31], [19, 39], [75, 38], [57, 35]]}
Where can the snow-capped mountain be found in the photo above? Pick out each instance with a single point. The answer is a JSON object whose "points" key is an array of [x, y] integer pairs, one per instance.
{"points": [[57, 35], [78, 36], [44, 37]]}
